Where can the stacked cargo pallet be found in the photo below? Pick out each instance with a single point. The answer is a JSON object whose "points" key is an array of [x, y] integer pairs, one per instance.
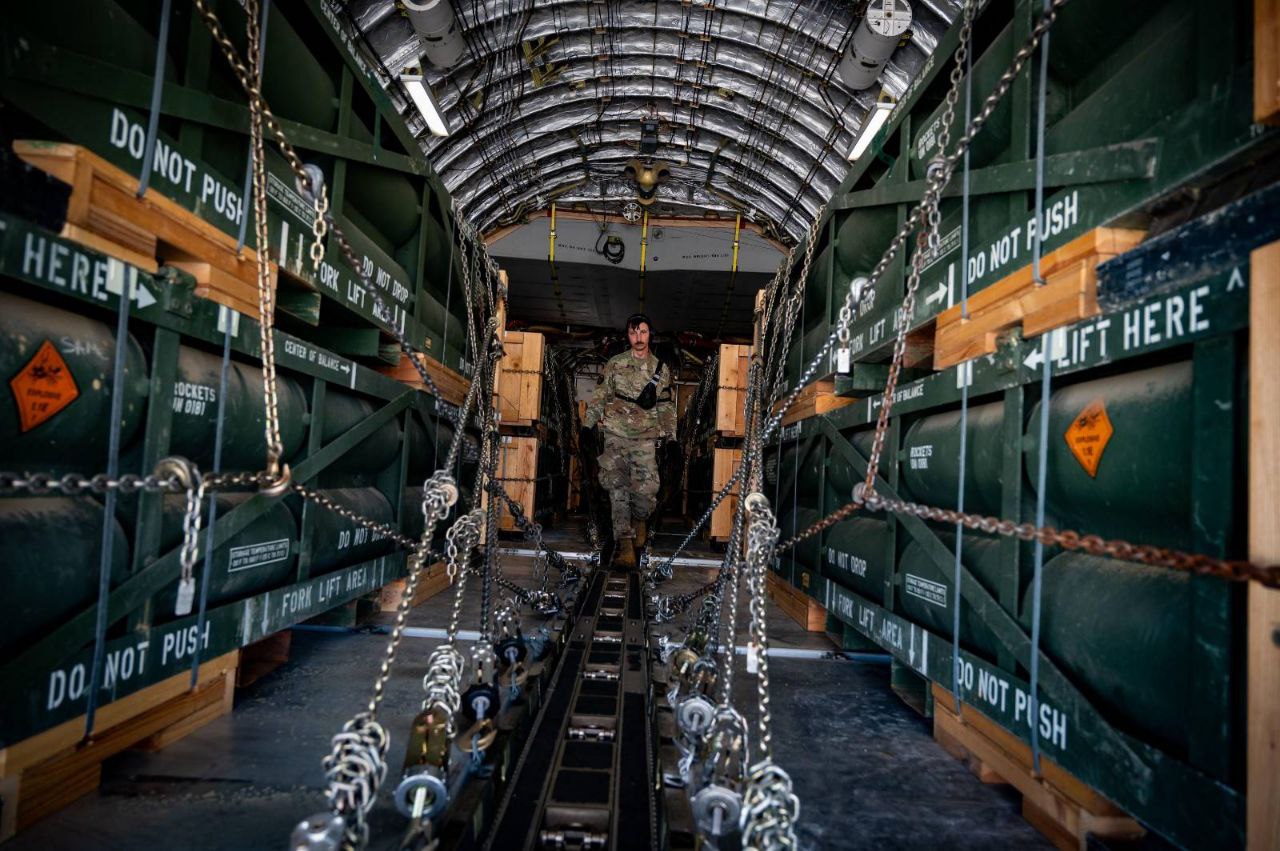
{"points": [[731, 416], [168, 259], [1144, 338], [518, 394]]}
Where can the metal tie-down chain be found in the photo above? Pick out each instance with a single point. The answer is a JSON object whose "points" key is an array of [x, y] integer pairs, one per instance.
{"points": [[925, 215]]}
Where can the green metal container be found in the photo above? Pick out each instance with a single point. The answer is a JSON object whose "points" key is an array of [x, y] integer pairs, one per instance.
{"points": [[843, 477], [804, 478], [925, 592], [262, 555], [452, 330], [52, 549], [854, 555], [931, 459], [387, 200], [994, 138], [815, 291], [130, 46], [338, 542], [808, 553], [862, 236], [1119, 450], [244, 443], [1121, 631], [343, 412], [296, 84], [55, 400]]}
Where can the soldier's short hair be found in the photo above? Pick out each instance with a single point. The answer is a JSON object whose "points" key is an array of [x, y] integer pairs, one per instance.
{"points": [[634, 320]]}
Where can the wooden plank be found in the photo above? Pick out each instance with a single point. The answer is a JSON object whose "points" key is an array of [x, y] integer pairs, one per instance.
{"points": [[104, 201], [1068, 295], [432, 581], [796, 604], [814, 399], [453, 387], [23, 754], [45, 772], [1263, 724], [518, 384], [1056, 803], [1266, 61], [89, 239], [262, 657], [731, 389], [518, 470], [723, 464]]}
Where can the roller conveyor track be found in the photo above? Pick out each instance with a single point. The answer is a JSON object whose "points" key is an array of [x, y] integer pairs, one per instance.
{"points": [[584, 777]]}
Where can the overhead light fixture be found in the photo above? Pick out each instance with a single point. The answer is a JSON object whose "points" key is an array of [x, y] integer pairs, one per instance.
{"points": [[420, 92], [876, 118]]}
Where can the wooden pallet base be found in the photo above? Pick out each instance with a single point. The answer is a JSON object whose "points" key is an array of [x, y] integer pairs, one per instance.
{"points": [[106, 214], [262, 657], [433, 580], [1058, 805], [817, 398], [43, 774], [453, 387], [1069, 294], [796, 604]]}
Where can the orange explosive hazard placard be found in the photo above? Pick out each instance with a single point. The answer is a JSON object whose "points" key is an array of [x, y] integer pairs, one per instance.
{"points": [[43, 387], [1088, 434]]}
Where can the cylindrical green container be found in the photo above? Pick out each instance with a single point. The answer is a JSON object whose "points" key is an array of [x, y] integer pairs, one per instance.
{"points": [[808, 553], [843, 477], [343, 412], [926, 595], [931, 462], [337, 542], [55, 400], [1121, 631], [1120, 449], [995, 135], [854, 555], [387, 199], [258, 557], [862, 237], [297, 86], [815, 291], [452, 330], [244, 443], [50, 570]]}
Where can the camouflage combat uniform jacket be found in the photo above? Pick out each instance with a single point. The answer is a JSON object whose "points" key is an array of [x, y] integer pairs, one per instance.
{"points": [[626, 375], [628, 464]]}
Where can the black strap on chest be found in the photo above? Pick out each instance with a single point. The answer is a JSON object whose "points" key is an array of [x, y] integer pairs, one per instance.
{"points": [[648, 396]]}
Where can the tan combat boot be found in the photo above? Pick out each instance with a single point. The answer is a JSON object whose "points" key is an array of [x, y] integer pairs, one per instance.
{"points": [[642, 534], [626, 559]]}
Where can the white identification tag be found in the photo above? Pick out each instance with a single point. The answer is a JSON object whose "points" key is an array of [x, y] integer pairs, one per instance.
{"points": [[186, 596], [753, 659], [842, 361]]}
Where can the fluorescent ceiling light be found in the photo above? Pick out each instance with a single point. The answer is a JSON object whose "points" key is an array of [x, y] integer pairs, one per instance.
{"points": [[426, 103], [876, 118]]}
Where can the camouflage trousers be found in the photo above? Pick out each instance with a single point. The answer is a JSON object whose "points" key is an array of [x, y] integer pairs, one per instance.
{"points": [[629, 472]]}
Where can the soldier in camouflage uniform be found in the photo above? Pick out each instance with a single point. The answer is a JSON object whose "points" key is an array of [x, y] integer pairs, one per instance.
{"points": [[632, 434]]}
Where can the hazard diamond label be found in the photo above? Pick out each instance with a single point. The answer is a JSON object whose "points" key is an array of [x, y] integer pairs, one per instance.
{"points": [[43, 387], [1088, 434]]}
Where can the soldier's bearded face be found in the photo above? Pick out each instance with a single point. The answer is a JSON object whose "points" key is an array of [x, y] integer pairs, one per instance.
{"points": [[638, 337]]}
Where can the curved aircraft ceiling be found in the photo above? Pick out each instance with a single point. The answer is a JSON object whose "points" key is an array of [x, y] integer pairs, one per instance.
{"points": [[546, 100]]}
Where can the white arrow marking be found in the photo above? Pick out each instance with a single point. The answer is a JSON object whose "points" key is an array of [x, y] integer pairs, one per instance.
{"points": [[115, 283], [937, 295], [913, 646], [1034, 359], [1236, 281]]}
